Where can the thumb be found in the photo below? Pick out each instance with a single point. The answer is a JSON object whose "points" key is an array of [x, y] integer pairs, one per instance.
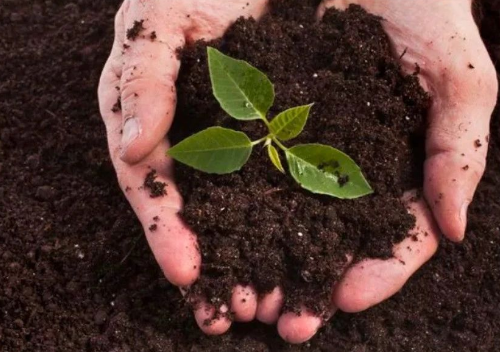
{"points": [[150, 69], [456, 147], [458, 136]]}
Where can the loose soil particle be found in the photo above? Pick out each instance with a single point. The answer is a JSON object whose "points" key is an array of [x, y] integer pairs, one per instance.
{"points": [[118, 105], [248, 222], [134, 31], [156, 188], [115, 298]]}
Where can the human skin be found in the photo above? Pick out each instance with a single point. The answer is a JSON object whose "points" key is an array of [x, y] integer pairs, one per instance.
{"points": [[440, 36]]}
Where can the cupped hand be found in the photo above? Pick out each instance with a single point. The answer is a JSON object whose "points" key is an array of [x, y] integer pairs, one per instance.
{"points": [[439, 41], [140, 76], [137, 100]]}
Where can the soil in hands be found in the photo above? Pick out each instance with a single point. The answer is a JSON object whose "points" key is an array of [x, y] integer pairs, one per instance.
{"points": [[257, 226]]}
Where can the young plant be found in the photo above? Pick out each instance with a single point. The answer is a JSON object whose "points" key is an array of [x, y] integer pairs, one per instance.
{"points": [[245, 93]]}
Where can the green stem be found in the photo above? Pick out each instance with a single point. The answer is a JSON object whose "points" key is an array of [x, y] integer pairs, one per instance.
{"points": [[263, 118], [279, 144], [260, 140]]}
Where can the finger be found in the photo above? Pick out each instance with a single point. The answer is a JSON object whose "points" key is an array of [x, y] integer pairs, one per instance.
{"points": [[464, 90], [298, 328], [150, 69], [171, 241], [371, 281], [109, 83], [173, 244], [244, 303], [210, 322], [457, 144], [269, 306], [457, 140]]}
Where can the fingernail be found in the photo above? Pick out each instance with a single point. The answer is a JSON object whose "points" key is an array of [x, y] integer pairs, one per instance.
{"points": [[131, 131]]}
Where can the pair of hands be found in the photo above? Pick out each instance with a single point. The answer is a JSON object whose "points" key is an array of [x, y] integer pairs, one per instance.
{"points": [[441, 37]]}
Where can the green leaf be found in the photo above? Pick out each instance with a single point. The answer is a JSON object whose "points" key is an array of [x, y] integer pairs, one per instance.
{"points": [[289, 123], [275, 157], [215, 150], [326, 170], [243, 91]]}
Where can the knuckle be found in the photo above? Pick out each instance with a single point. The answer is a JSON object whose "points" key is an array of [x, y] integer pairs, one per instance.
{"points": [[133, 85], [139, 83], [490, 80], [125, 8], [452, 159], [477, 165], [444, 138], [118, 16], [486, 83], [480, 87]]}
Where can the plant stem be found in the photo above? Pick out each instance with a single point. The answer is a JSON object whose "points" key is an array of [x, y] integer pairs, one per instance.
{"points": [[260, 140], [263, 118], [279, 144]]}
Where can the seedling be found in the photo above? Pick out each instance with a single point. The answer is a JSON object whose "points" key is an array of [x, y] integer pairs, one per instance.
{"points": [[246, 94]]}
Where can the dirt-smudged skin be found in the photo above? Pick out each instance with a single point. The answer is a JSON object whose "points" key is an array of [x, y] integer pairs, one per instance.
{"points": [[257, 226], [75, 272]]}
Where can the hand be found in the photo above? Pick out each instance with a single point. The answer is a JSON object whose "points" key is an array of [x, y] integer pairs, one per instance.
{"points": [[140, 76], [442, 40]]}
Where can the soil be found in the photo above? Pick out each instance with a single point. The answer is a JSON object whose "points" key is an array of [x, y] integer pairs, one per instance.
{"points": [[75, 270], [258, 226], [156, 188], [133, 32]]}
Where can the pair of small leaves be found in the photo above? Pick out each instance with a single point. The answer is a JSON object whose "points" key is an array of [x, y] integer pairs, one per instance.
{"points": [[317, 168], [245, 93]]}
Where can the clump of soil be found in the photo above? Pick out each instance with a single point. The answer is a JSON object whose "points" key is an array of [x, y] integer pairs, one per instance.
{"points": [[117, 107], [156, 188], [135, 30], [258, 226]]}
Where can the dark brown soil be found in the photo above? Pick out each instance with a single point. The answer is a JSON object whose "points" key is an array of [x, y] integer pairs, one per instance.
{"points": [[258, 226], [75, 271], [156, 188], [135, 30]]}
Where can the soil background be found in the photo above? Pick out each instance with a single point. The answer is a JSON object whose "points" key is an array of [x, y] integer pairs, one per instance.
{"points": [[75, 271]]}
